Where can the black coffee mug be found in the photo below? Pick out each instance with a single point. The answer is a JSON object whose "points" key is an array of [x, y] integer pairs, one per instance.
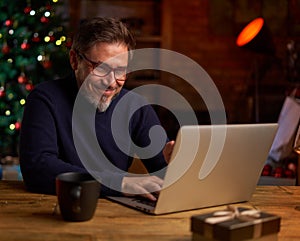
{"points": [[77, 195]]}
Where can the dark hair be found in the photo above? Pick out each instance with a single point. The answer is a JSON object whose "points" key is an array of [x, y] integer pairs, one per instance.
{"points": [[105, 30]]}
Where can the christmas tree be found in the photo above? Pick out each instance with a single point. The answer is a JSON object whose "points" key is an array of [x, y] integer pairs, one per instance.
{"points": [[33, 48]]}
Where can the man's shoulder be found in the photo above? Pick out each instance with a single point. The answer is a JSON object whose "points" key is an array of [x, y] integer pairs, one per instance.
{"points": [[57, 83], [54, 87]]}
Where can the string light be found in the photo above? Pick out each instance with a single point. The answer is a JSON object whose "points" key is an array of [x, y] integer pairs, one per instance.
{"points": [[16, 39], [47, 14], [10, 96], [22, 101], [8, 22], [47, 39], [62, 39], [17, 125], [25, 45], [58, 42], [40, 58], [12, 127]]}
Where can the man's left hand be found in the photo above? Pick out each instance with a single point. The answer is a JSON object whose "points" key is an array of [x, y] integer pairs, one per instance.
{"points": [[168, 149]]}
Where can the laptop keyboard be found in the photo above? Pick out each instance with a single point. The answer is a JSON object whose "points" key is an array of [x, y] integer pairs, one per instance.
{"points": [[147, 201]]}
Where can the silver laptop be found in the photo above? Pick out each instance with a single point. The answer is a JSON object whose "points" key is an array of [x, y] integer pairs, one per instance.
{"points": [[211, 165]]}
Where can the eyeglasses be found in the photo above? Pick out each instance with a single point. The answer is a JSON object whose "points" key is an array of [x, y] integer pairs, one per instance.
{"points": [[101, 69]]}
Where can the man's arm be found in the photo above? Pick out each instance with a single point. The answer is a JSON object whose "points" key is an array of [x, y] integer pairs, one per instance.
{"points": [[39, 148]]}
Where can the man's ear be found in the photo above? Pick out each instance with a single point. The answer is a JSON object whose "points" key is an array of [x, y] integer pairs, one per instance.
{"points": [[73, 59]]}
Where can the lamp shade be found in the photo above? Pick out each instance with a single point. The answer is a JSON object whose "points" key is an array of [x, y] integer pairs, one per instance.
{"points": [[256, 37]]}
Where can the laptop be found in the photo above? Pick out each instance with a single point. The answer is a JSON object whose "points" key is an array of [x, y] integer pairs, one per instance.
{"points": [[211, 165]]}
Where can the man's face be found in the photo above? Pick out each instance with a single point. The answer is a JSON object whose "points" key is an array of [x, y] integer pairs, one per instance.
{"points": [[101, 82]]}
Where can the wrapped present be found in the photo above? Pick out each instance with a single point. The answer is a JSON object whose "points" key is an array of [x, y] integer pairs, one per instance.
{"points": [[235, 224]]}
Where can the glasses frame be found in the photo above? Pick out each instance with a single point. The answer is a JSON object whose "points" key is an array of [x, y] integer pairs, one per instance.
{"points": [[96, 64]]}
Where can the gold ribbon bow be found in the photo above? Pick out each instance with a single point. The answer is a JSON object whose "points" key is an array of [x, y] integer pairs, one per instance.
{"points": [[232, 213]]}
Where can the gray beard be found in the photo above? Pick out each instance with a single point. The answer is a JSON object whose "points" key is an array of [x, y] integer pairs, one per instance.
{"points": [[103, 104]]}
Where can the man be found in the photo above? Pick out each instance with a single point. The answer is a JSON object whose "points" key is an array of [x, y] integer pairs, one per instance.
{"points": [[99, 58]]}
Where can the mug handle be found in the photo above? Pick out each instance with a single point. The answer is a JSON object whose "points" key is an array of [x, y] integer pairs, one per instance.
{"points": [[75, 194]]}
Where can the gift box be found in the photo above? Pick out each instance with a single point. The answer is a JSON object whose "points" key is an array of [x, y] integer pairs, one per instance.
{"points": [[235, 224]]}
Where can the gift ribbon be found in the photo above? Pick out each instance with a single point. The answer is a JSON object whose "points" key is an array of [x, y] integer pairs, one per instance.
{"points": [[233, 213]]}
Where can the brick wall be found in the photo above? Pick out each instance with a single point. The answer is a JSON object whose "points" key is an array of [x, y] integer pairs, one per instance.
{"points": [[206, 31], [199, 32]]}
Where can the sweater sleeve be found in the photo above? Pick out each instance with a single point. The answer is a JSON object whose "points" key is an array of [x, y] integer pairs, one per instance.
{"points": [[39, 152], [46, 144]]}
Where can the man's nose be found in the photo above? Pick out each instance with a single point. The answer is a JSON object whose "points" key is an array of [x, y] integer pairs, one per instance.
{"points": [[109, 79]]}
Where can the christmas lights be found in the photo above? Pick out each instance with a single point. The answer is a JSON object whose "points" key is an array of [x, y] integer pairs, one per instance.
{"points": [[33, 48]]}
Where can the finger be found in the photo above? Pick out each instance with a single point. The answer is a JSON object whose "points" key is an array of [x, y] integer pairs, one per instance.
{"points": [[157, 180], [145, 193], [168, 150], [152, 187], [149, 196], [138, 190], [170, 146]]}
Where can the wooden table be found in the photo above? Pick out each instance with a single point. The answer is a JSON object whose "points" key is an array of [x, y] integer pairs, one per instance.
{"points": [[27, 216]]}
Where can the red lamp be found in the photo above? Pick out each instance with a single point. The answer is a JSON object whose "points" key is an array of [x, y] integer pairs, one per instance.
{"points": [[256, 37], [250, 31]]}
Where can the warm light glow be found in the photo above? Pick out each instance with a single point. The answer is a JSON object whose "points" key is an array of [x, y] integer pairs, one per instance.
{"points": [[22, 101], [40, 58], [47, 14], [58, 42], [12, 126], [47, 39], [10, 96], [250, 31]]}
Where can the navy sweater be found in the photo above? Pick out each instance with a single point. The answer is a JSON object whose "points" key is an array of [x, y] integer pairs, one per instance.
{"points": [[47, 145]]}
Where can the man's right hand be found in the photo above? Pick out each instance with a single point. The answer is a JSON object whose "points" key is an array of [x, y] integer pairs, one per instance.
{"points": [[142, 186]]}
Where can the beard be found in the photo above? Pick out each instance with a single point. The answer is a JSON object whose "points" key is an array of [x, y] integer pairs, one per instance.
{"points": [[97, 97], [102, 104]]}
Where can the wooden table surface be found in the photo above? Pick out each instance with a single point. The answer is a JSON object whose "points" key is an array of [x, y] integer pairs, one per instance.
{"points": [[28, 216]]}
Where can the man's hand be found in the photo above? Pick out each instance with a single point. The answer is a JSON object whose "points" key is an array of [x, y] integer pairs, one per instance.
{"points": [[146, 185], [168, 150], [142, 186]]}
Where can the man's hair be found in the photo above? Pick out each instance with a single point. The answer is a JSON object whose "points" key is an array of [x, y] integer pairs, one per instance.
{"points": [[105, 30]]}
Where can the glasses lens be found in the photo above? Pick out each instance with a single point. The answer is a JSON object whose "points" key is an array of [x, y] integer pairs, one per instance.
{"points": [[101, 70], [120, 73]]}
